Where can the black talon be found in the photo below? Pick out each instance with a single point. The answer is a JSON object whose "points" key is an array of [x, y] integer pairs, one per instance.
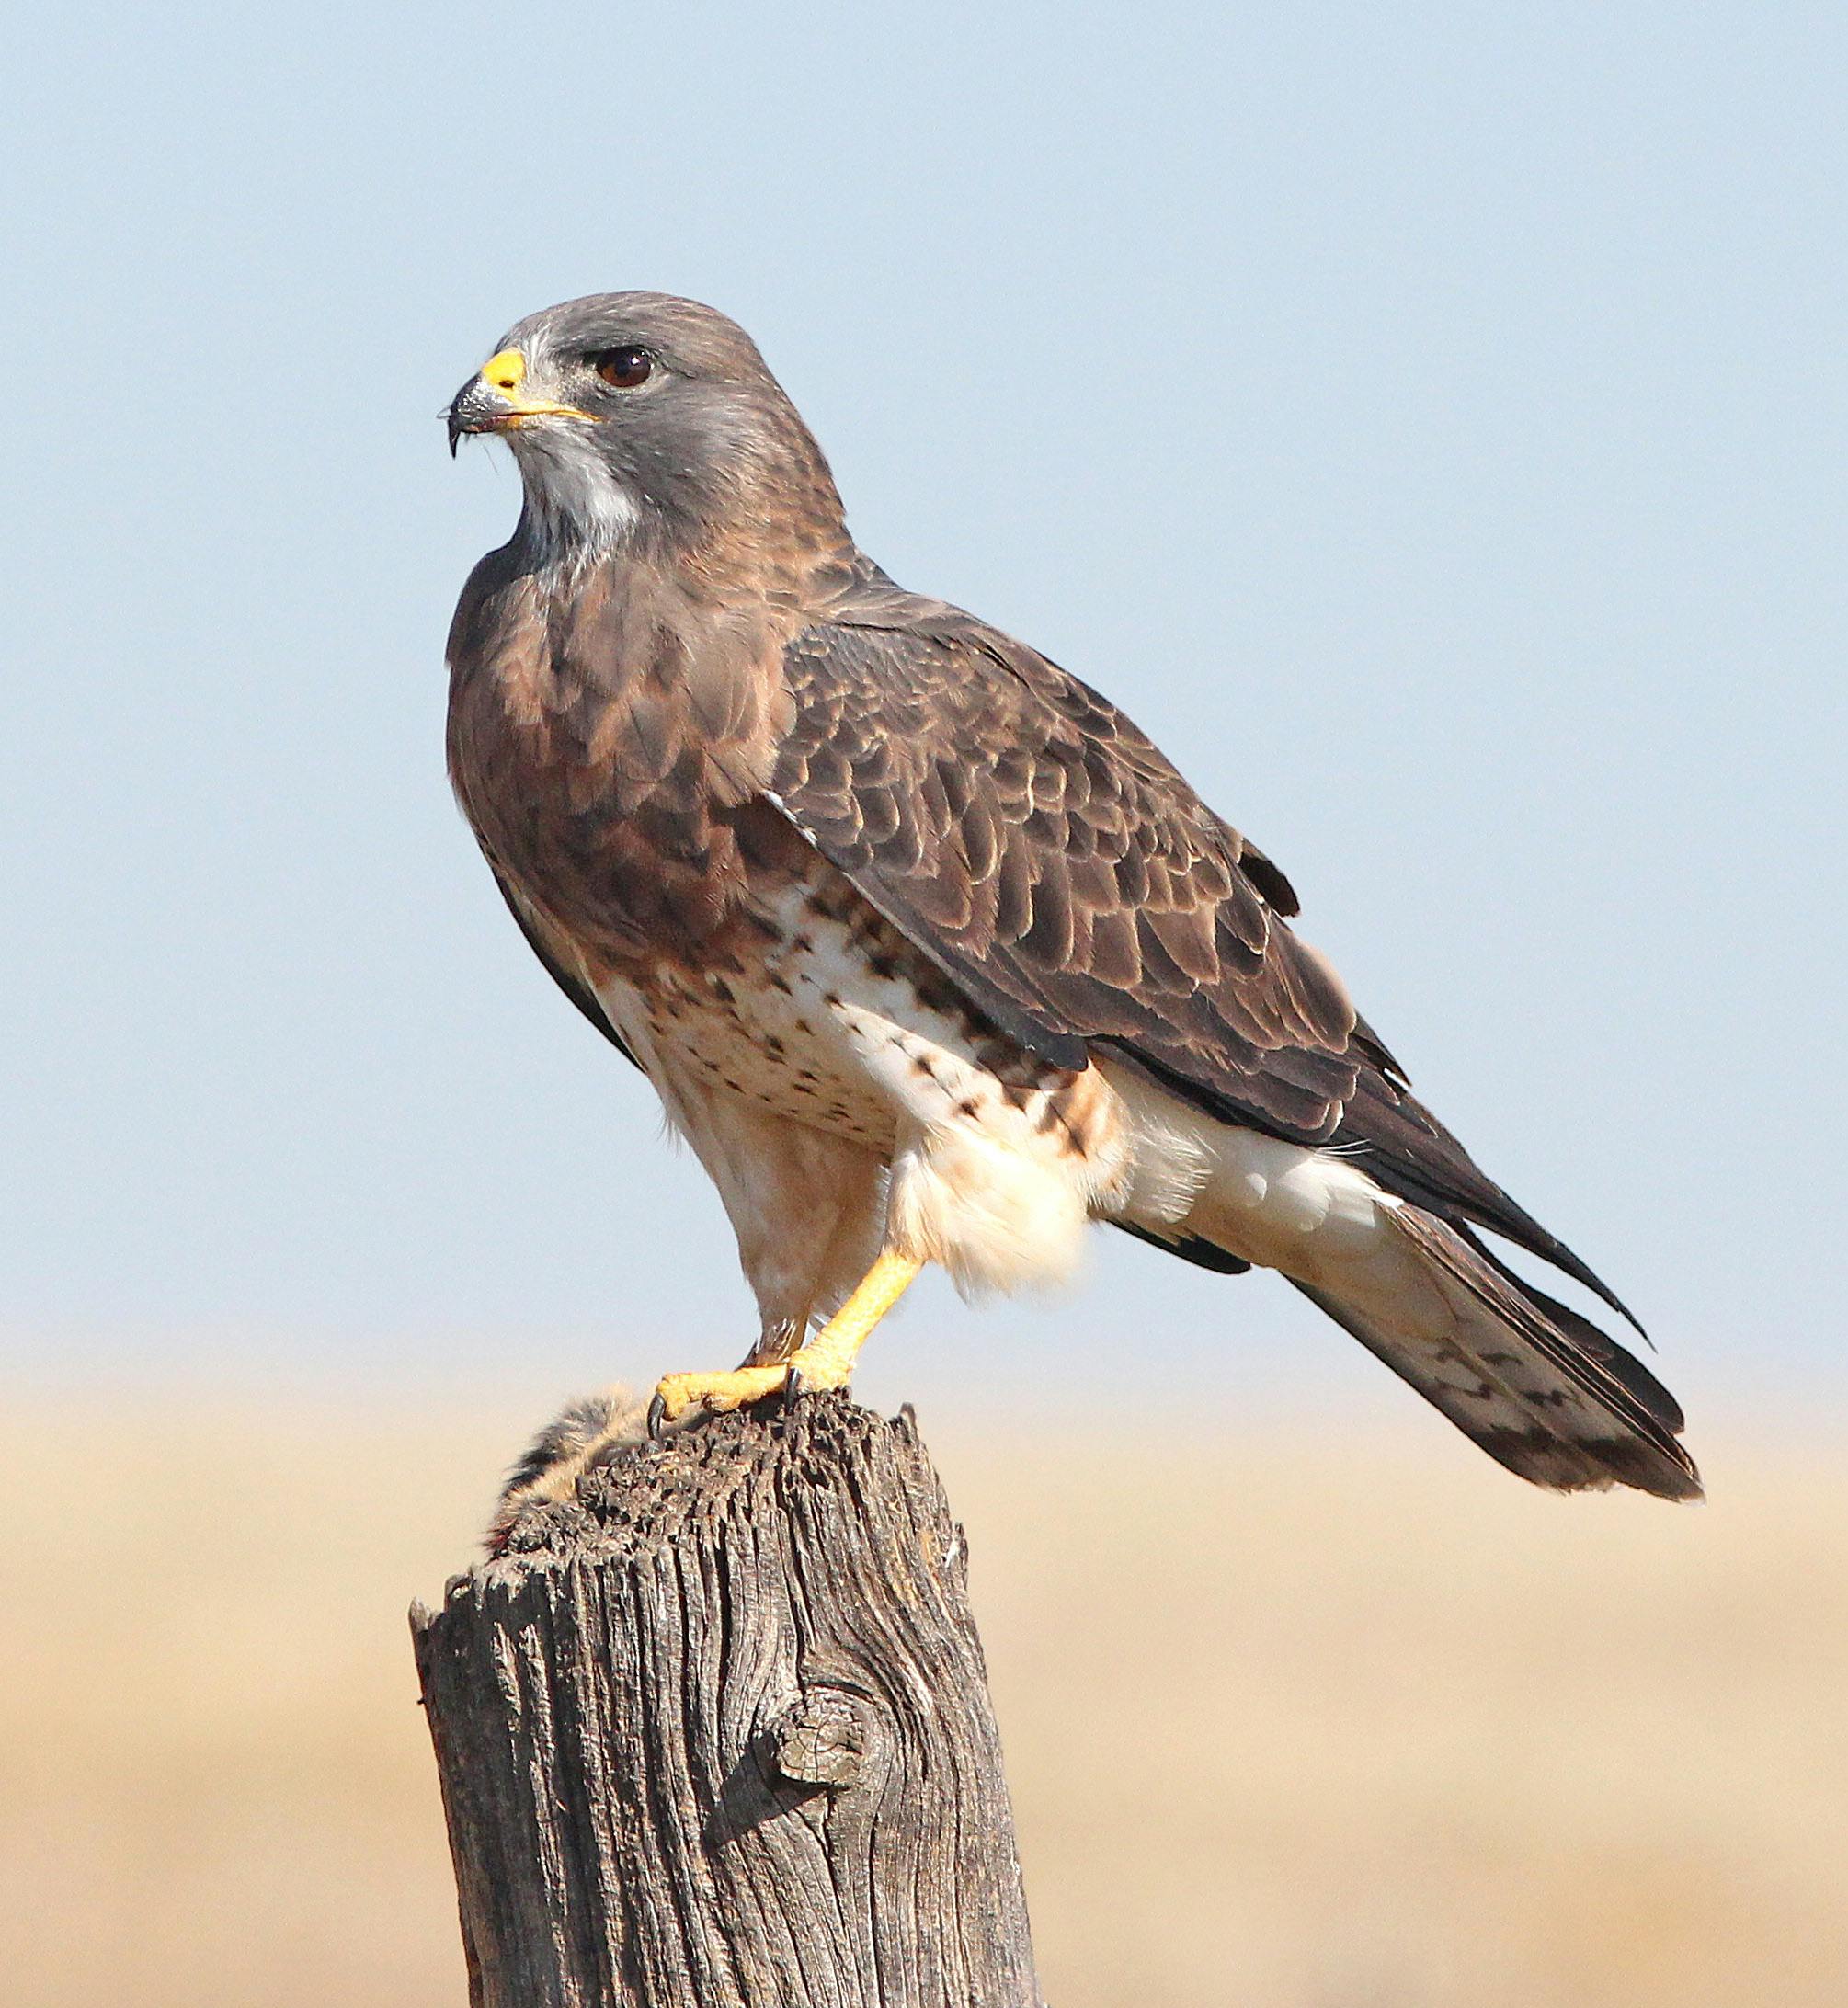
{"points": [[794, 1387], [657, 1416]]}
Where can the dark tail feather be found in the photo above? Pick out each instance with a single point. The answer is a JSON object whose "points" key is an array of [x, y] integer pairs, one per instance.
{"points": [[1539, 1387], [1612, 1356]]}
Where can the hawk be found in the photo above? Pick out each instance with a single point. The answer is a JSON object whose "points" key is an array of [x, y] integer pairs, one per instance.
{"points": [[929, 955]]}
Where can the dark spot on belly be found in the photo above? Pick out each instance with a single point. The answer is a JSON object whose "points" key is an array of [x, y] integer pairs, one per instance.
{"points": [[968, 1109]]}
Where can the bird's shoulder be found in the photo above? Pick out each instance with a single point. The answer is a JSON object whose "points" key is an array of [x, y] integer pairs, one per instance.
{"points": [[883, 658]]}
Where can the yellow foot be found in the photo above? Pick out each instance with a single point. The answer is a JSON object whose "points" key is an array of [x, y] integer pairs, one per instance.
{"points": [[827, 1361], [678, 1392]]}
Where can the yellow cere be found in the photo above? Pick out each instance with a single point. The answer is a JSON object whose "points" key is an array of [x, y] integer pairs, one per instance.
{"points": [[506, 372]]}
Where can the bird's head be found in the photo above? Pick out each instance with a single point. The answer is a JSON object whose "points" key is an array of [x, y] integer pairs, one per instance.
{"points": [[637, 414]]}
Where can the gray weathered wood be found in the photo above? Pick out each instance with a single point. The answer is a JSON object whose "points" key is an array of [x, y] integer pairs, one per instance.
{"points": [[719, 1736]]}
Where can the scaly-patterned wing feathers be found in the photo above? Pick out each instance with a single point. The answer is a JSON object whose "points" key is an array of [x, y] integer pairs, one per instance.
{"points": [[1030, 839]]}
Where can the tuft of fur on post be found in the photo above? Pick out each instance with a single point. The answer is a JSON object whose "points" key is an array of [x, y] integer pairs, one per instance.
{"points": [[583, 1436]]}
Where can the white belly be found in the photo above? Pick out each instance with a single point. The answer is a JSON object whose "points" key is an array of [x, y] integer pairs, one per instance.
{"points": [[995, 1178]]}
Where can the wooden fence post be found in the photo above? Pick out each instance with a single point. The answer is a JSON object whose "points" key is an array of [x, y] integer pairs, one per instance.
{"points": [[720, 1737]]}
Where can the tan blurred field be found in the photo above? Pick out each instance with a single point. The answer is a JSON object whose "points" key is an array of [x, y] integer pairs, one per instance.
{"points": [[1285, 1727]]}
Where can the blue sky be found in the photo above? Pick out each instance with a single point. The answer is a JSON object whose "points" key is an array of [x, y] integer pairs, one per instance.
{"points": [[1427, 421]]}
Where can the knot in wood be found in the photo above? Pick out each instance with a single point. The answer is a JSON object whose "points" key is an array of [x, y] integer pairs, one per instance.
{"points": [[822, 1740]]}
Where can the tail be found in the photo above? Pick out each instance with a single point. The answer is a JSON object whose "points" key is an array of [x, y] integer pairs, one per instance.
{"points": [[1539, 1387]]}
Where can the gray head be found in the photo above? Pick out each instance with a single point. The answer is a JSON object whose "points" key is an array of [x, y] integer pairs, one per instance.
{"points": [[635, 415]]}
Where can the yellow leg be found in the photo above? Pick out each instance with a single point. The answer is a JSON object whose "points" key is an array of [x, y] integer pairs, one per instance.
{"points": [[827, 1361]]}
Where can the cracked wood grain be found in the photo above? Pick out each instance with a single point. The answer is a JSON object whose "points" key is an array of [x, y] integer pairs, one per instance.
{"points": [[719, 1736]]}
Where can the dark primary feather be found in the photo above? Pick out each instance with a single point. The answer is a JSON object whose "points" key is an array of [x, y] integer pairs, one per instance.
{"points": [[1405, 1147]]}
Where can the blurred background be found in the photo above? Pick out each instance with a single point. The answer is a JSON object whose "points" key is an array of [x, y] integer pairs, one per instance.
{"points": [[1428, 421]]}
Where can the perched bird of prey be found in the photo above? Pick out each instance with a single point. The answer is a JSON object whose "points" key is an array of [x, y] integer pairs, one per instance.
{"points": [[930, 955]]}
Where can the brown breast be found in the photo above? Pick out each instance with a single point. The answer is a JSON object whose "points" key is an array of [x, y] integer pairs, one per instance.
{"points": [[605, 733]]}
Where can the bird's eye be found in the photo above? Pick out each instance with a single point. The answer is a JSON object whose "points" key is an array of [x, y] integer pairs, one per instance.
{"points": [[625, 368]]}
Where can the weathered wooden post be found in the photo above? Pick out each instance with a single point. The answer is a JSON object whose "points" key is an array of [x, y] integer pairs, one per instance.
{"points": [[720, 1737]]}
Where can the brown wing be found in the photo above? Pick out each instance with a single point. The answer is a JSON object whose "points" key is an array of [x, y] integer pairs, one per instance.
{"points": [[1045, 854], [554, 960], [1052, 861]]}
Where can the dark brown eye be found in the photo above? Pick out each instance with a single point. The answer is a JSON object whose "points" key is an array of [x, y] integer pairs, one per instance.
{"points": [[625, 368]]}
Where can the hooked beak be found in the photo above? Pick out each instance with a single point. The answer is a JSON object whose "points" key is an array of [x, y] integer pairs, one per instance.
{"points": [[492, 401]]}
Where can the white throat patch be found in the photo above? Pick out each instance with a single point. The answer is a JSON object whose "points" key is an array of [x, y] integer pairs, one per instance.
{"points": [[576, 500]]}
